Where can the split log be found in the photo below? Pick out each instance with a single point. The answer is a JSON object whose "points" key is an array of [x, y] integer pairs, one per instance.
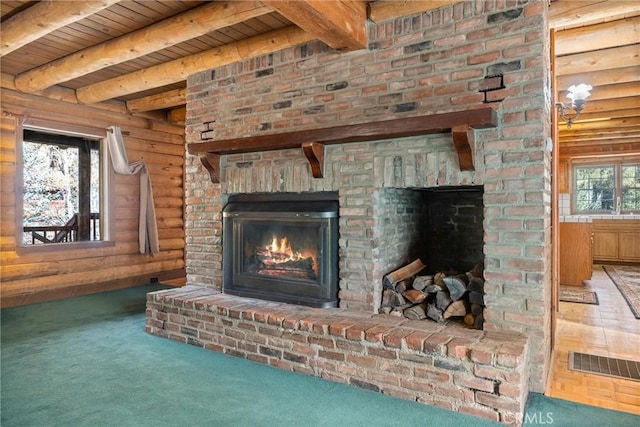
{"points": [[422, 282], [391, 298], [434, 313], [402, 273], [476, 284], [478, 322], [456, 308], [437, 278], [384, 310], [415, 296], [443, 300], [402, 286], [470, 319], [463, 278], [416, 312], [476, 271], [396, 313], [432, 289], [456, 287], [476, 309], [476, 298]]}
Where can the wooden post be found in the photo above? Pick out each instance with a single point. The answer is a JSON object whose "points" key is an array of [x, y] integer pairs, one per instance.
{"points": [[84, 192]]}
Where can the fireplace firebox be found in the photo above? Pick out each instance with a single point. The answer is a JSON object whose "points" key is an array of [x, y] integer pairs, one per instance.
{"points": [[282, 247]]}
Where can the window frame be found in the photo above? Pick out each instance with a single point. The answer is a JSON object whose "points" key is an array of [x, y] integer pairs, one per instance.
{"points": [[107, 230], [617, 163]]}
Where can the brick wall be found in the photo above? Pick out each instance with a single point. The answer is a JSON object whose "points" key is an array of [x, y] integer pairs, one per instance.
{"points": [[475, 372], [417, 65]]}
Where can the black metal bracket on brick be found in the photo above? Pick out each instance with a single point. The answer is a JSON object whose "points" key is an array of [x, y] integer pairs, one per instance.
{"points": [[491, 83]]}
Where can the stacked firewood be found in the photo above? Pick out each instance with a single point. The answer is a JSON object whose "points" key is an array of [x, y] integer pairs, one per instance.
{"points": [[439, 296]]}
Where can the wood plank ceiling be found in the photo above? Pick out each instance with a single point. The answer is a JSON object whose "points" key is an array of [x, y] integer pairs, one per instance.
{"points": [[139, 52]]}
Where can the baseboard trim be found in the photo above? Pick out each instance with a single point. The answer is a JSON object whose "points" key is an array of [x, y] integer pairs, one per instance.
{"points": [[90, 288]]}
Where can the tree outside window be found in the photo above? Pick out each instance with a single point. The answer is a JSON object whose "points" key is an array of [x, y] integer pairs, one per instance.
{"points": [[61, 188], [611, 188]]}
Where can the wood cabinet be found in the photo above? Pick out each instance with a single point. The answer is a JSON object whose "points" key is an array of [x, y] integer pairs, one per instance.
{"points": [[575, 253], [616, 240]]}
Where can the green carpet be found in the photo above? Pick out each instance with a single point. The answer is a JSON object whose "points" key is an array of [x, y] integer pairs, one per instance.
{"points": [[86, 361]]}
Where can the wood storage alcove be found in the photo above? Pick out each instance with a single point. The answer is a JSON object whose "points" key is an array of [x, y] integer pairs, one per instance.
{"points": [[461, 125]]}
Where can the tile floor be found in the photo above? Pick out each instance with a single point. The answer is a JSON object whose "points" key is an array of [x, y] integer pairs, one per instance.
{"points": [[607, 329]]}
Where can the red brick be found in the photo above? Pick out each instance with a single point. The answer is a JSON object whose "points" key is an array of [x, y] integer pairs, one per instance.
{"points": [[474, 383], [501, 403], [333, 355], [326, 343], [382, 352], [437, 343], [416, 340], [395, 337], [415, 384]]}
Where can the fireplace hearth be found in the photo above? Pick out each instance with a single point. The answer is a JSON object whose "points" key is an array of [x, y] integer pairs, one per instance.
{"points": [[282, 247]]}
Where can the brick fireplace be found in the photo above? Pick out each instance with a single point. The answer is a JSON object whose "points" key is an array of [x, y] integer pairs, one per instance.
{"points": [[418, 65]]}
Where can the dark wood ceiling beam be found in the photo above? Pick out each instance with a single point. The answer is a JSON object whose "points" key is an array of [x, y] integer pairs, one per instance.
{"points": [[160, 101], [44, 17], [383, 10], [341, 24], [179, 69], [191, 24]]}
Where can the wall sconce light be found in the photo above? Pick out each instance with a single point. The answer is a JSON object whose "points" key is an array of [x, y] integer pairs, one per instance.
{"points": [[578, 95]]}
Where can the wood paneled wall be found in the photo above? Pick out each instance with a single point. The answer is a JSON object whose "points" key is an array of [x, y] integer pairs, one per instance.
{"points": [[27, 277]]}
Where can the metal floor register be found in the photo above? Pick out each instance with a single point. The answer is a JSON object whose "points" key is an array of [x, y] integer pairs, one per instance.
{"points": [[593, 364]]}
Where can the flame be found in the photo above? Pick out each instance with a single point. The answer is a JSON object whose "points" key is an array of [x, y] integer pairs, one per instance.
{"points": [[281, 250]]}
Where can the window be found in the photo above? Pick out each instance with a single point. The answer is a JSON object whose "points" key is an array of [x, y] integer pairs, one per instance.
{"points": [[63, 188], [610, 188]]}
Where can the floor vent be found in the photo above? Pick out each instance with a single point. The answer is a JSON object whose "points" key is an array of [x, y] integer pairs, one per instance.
{"points": [[592, 364]]}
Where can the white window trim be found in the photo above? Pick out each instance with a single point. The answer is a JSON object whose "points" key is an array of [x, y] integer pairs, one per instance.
{"points": [[107, 179]]}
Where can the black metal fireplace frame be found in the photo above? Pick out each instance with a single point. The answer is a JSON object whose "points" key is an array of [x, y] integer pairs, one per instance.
{"points": [[315, 210]]}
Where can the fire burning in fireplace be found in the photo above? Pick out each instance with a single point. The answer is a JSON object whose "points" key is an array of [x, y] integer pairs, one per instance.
{"points": [[279, 259]]}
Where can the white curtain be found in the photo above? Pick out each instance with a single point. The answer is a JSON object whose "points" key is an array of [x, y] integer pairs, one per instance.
{"points": [[147, 226]]}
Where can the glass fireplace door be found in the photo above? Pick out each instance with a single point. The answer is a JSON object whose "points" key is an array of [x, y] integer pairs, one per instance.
{"points": [[281, 255]]}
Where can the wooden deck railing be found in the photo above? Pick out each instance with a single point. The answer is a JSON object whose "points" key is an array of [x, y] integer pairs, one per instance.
{"points": [[62, 233]]}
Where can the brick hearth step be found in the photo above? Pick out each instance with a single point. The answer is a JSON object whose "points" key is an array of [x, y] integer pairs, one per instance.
{"points": [[481, 373]]}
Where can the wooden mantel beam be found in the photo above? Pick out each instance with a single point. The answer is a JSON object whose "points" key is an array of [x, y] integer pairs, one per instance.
{"points": [[191, 24], [341, 24], [479, 118], [179, 69], [460, 123], [44, 17]]}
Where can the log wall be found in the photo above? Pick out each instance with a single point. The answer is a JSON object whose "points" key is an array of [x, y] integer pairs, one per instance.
{"points": [[36, 276]]}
